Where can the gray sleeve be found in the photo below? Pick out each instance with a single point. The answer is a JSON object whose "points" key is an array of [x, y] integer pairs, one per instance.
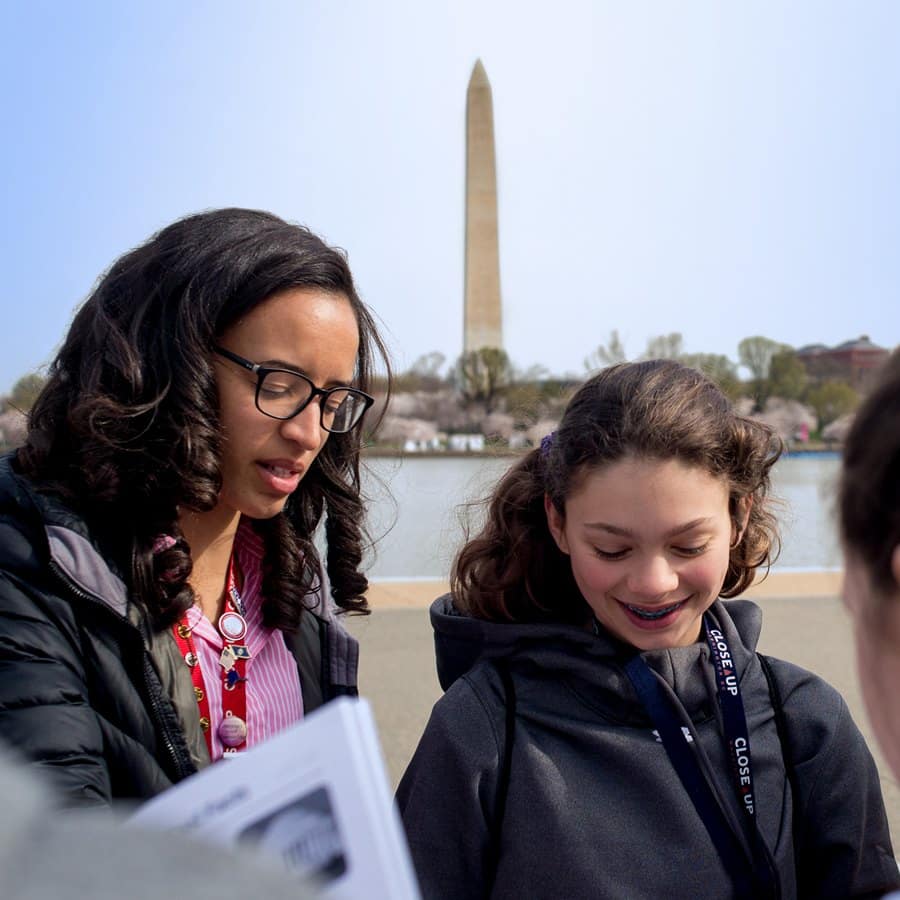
{"points": [[447, 795], [844, 843]]}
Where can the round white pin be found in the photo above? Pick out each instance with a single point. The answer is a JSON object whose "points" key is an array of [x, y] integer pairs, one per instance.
{"points": [[232, 626]]}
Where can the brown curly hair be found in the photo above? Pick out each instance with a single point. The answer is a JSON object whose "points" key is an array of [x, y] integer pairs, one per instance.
{"points": [[658, 409], [126, 429]]}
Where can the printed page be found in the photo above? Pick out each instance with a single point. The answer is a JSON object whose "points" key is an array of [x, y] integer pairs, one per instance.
{"points": [[315, 797]]}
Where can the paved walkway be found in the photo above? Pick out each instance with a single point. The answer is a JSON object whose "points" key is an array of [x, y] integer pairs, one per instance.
{"points": [[803, 622]]}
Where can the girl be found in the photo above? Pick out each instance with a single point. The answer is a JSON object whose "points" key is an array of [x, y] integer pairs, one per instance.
{"points": [[608, 728], [161, 600]]}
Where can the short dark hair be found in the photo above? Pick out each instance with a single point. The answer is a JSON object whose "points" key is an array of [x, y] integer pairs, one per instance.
{"points": [[126, 428], [869, 493], [657, 409]]}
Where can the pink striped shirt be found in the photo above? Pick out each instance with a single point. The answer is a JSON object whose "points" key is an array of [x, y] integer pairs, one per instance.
{"points": [[274, 699]]}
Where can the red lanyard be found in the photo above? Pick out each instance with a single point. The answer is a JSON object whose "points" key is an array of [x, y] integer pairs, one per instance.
{"points": [[232, 625]]}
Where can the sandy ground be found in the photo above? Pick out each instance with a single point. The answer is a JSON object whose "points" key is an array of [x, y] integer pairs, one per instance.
{"points": [[804, 622]]}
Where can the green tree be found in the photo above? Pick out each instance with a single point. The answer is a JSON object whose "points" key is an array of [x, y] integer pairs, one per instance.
{"points": [[665, 346], [718, 368], [25, 391], [831, 400], [524, 400], [755, 354], [429, 365], [608, 354], [483, 375], [424, 374], [534, 373], [535, 394], [787, 376]]}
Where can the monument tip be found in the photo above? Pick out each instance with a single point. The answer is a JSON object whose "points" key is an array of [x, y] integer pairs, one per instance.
{"points": [[479, 76]]}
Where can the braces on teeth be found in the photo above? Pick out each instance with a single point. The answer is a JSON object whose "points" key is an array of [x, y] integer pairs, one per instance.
{"points": [[658, 614]]}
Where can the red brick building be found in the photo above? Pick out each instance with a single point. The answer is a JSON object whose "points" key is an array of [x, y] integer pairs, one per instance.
{"points": [[853, 361]]}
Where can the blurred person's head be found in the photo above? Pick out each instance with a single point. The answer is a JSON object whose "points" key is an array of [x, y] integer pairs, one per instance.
{"points": [[870, 532]]}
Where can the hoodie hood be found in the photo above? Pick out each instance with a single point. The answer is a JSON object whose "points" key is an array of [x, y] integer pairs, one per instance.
{"points": [[592, 663]]}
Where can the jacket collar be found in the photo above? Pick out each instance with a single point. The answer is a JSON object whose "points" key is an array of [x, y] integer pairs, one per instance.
{"points": [[593, 664], [68, 543], [78, 560]]}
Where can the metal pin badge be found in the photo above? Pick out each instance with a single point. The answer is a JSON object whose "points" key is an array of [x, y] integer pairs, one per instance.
{"points": [[232, 730], [232, 626]]}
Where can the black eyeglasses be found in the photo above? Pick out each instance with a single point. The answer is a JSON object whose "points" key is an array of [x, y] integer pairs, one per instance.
{"points": [[283, 394]]}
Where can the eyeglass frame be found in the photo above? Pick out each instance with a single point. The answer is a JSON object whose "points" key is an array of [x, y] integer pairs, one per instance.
{"points": [[261, 372]]}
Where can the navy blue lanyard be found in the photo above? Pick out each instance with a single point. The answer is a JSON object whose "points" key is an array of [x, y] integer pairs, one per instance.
{"points": [[758, 879], [734, 721]]}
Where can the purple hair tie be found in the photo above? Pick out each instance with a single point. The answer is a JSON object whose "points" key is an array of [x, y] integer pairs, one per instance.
{"points": [[547, 443], [163, 542]]}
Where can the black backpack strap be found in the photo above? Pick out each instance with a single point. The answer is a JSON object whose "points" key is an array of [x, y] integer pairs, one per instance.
{"points": [[493, 857], [786, 755]]}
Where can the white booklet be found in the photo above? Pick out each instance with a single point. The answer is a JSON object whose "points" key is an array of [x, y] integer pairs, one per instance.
{"points": [[315, 797]]}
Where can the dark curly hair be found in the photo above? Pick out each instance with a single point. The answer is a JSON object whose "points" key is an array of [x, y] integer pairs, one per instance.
{"points": [[869, 494], [126, 429], [658, 409]]}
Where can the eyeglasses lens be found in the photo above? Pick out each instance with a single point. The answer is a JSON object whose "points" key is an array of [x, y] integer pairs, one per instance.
{"points": [[341, 410], [283, 394]]}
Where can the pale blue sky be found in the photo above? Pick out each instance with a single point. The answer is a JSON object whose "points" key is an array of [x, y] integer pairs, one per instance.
{"points": [[718, 169]]}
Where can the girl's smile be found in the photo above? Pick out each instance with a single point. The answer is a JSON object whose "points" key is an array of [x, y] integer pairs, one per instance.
{"points": [[649, 542], [653, 618]]}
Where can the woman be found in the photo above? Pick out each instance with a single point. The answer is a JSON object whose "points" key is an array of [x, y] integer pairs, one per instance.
{"points": [[162, 602], [608, 727], [870, 531]]}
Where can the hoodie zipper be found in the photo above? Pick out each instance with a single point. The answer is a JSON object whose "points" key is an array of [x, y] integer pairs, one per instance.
{"points": [[182, 767]]}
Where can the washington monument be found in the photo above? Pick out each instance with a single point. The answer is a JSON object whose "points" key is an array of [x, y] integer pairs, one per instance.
{"points": [[483, 323]]}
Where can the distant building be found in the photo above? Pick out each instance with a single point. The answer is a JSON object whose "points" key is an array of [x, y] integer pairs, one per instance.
{"points": [[412, 445], [409, 433], [466, 443], [853, 361]]}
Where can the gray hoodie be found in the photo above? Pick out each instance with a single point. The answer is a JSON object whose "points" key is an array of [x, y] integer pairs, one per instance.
{"points": [[594, 807]]}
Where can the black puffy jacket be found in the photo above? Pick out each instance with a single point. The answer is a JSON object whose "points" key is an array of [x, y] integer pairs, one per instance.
{"points": [[85, 691]]}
